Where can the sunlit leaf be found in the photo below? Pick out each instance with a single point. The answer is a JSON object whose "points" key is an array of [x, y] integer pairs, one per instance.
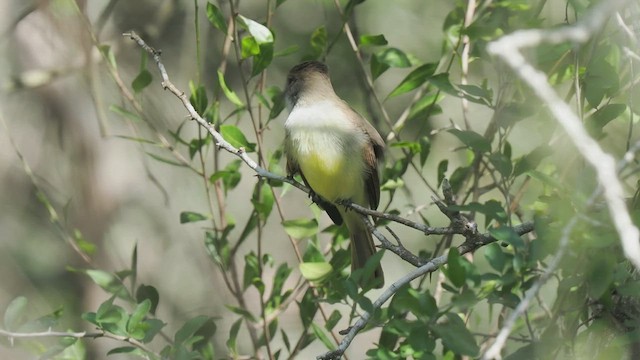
{"points": [[373, 40], [236, 138], [261, 33], [315, 271], [301, 228]]}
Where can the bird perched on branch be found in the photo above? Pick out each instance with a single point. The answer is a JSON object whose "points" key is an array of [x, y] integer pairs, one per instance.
{"points": [[336, 152]]}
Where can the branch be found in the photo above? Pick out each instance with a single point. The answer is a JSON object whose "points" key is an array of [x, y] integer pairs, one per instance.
{"points": [[472, 244], [77, 335]]}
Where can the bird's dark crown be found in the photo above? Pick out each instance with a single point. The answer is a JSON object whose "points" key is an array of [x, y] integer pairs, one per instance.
{"points": [[309, 66]]}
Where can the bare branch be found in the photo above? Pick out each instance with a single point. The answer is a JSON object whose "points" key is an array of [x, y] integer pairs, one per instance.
{"points": [[78, 335]]}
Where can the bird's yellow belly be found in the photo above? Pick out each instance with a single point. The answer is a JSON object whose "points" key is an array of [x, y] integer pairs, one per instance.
{"points": [[332, 175]]}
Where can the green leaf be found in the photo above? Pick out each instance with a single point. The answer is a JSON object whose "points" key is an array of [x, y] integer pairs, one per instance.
{"points": [[377, 67], [333, 320], [108, 55], [190, 328], [15, 313], [476, 94], [251, 270], [148, 292], [83, 244], [602, 117], [301, 228], [312, 254], [320, 333], [443, 166], [230, 176], [599, 278], [112, 318], [412, 146], [501, 163], [263, 59], [233, 335], [442, 83], [198, 97], [190, 216], [277, 297], [246, 314], [373, 40], [388, 58], [473, 140], [230, 94], [218, 247], [600, 79], [419, 303], [456, 273], [455, 335], [531, 160], [122, 350], [261, 33], [236, 138], [308, 307], [124, 113], [506, 234], [106, 280], [195, 145], [263, 200], [315, 271], [141, 81], [425, 148], [278, 100], [458, 177], [495, 256], [393, 57], [287, 51], [249, 46], [318, 41], [216, 18], [425, 107], [415, 79], [135, 326]]}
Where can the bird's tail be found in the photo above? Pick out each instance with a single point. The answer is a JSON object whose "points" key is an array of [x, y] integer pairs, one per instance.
{"points": [[362, 247]]}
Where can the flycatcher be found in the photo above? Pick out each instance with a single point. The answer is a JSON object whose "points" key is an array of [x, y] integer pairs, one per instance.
{"points": [[336, 151]]}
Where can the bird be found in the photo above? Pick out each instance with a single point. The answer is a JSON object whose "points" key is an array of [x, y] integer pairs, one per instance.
{"points": [[337, 154]]}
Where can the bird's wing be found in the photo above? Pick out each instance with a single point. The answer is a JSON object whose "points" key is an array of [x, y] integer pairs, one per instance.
{"points": [[373, 155]]}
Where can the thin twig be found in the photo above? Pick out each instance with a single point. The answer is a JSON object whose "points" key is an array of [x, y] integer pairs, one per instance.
{"points": [[77, 335]]}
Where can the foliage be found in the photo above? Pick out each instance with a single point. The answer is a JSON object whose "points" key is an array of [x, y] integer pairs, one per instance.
{"points": [[510, 169]]}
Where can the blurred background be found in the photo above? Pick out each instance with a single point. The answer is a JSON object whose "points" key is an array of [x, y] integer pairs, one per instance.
{"points": [[68, 170]]}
